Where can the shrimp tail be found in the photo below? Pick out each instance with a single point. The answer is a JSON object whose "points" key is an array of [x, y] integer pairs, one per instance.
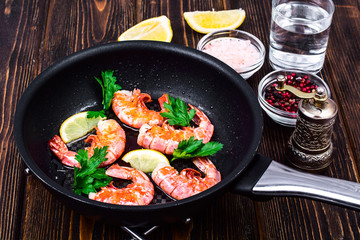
{"points": [[205, 129], [162, 99], [130, 107], [142, 98], [190, 173], [59, 148], [213, 176], [189, 182]]}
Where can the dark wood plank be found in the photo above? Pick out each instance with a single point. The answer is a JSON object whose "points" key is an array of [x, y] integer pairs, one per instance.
{"points": [[22, 24], [44, 216], [38, 33], [343, 68], [74, 25], [230, 217]]}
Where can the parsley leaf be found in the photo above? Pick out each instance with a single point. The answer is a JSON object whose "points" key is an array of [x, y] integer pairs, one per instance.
{"points": [[109, 87], [89, 177], [195, 148], [95, 114], [177, 112]]}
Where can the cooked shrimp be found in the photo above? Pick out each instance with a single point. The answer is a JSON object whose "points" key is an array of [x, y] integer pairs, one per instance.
{"points": [[140, 192], [189, 182], [130, 108], [108, 133], [59, 148], [166, 138]]}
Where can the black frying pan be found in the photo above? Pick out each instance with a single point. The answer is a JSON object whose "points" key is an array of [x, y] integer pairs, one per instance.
{"points": [[68, 87]]}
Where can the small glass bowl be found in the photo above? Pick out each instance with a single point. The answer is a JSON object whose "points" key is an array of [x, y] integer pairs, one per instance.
{"points": [[245, 72], [281, 117]]}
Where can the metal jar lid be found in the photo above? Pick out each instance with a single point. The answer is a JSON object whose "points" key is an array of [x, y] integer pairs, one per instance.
{"points": [[318, 109]]}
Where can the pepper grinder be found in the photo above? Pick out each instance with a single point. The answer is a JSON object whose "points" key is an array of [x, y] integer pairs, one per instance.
{"points": [[310, 146]]}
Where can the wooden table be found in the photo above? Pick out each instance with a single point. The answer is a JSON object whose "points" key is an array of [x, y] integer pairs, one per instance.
{"points": [[35, 34]]}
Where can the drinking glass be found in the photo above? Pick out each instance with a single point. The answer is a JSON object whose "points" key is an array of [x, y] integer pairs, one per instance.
{"points": [[299, 34]]}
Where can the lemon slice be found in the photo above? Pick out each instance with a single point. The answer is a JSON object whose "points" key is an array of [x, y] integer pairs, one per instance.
{"points": [[145, 160], [156, 29], [209, 21], [77, 126]]}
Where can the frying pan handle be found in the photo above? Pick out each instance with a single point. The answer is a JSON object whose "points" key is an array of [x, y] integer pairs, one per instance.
{"points": [[245, 183], [280, 180]]}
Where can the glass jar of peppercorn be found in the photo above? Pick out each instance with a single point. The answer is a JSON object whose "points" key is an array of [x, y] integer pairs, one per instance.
{"points": [[282, 106]]}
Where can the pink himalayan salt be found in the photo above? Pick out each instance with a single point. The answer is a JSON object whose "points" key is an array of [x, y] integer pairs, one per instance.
{"points": [[236, 53]]}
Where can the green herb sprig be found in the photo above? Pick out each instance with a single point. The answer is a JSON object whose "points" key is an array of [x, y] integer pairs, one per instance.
{"points": [[195, 148], [89, 177], [177, 112], [109, 87]]}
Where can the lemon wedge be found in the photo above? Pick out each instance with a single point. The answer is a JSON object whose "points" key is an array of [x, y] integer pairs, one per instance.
{"points": [[145, 160], [77, 126], [209, 21], [156, 29]]}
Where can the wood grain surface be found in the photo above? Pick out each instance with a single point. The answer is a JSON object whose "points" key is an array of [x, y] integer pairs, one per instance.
{"points": [[36, 33]]}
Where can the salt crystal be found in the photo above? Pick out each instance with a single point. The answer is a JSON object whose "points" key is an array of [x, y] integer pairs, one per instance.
{"points": [[236, 53]]}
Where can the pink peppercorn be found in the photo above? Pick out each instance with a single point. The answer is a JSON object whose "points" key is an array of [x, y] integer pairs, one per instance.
{"points": [[284, 100]]}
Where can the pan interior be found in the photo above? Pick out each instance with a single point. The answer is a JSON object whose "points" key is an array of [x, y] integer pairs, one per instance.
{"points": [[69, 87]]}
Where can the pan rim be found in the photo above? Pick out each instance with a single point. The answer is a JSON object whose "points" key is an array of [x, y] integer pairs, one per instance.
{"points": [[175, 48]]}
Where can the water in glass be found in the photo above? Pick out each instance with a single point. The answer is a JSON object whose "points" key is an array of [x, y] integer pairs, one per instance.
{"points": [[299, 35]]}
